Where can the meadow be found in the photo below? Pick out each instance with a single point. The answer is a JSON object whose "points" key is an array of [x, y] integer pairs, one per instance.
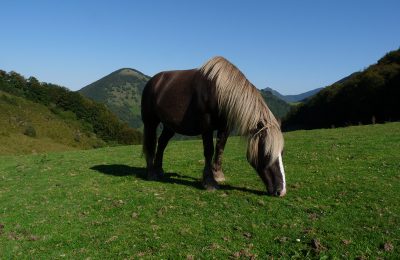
{"points": [[342, 202]]}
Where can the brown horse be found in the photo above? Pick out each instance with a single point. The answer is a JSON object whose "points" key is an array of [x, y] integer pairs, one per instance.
{"points": [[216, 96]]}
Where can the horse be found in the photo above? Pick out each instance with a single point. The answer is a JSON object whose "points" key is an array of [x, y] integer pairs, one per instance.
{"points": [[215, 97]]}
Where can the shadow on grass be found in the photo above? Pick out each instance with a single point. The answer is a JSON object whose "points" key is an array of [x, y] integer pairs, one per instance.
{"points": [[121, 170]]}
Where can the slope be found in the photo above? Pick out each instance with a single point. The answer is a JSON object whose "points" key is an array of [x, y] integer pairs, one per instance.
{"points": [[28, 127]]}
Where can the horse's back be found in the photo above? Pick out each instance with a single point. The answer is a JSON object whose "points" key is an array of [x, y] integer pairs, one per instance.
{"points": [[172, 83]]}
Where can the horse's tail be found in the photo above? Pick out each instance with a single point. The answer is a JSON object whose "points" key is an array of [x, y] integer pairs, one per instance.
{"points": [[149, 142], [149, 130]]}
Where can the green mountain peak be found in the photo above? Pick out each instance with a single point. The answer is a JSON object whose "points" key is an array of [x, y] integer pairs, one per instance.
{"points": [[121, 92]]}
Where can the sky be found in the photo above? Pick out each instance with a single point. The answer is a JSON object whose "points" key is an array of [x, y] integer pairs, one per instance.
{"points": [[290, 46]]}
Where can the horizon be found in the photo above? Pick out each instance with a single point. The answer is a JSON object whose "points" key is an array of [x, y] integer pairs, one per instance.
{"points": [[290, 47]]}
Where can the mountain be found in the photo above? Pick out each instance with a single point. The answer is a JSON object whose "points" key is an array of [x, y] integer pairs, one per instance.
{"points": [[369, 96], [121, 92], [275, 93], [294, 98], [43, 115], [278, 106]]}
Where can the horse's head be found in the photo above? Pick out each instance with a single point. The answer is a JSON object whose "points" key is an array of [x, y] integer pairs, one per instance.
{"points": [[265, 155]]}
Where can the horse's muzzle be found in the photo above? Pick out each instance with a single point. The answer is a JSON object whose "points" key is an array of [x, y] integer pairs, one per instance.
{"points": [[278, 193]]}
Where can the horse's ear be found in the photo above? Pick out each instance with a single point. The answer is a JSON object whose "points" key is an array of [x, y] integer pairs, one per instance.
{"points": [[279, 121]]}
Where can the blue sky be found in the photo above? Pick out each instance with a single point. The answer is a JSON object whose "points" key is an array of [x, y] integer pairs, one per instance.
{"points": [[291, 46]]}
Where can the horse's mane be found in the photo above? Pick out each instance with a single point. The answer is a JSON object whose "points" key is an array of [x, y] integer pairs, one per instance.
{"points": [[244, 107]]}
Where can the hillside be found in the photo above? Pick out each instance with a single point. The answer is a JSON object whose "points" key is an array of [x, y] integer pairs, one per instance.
{"points": [[121, 92], [87, 116], [294, 98], [366, 97], [278, 107], [28, 127], [342, 202]]}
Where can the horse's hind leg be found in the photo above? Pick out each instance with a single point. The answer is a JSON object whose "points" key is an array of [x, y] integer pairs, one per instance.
{"points": [[165, 136], [222, 136], [149, 146], [209, 181]]}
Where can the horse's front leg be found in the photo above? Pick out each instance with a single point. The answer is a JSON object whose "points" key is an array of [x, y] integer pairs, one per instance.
{"points": [[209, 181], [222, 136]]}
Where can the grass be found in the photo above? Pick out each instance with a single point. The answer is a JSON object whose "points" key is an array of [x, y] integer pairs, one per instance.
{"points": [[342, 202]]}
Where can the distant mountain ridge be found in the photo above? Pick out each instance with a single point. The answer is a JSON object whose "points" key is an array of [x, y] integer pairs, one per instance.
{"points": [[121, 92], [294, 98]]}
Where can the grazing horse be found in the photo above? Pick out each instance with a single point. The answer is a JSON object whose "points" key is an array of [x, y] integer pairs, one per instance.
{"points": [[216, 96]]}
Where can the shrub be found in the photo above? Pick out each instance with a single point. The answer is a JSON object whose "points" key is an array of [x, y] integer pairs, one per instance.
{"points": [[30, 131]]}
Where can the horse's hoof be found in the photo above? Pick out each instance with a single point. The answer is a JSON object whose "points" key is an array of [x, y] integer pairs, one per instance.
{"points": [[219, 176], [155, 175], [152, 177], [210, 185]]}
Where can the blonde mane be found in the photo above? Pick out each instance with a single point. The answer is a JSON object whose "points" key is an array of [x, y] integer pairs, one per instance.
{"points": [[244, 108]]}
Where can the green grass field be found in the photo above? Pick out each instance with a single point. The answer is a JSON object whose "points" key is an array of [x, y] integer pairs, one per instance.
{"points": [[342, 202]]}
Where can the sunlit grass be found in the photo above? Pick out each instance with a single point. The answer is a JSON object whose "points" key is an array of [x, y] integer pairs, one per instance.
{"points": [[342, 201]]}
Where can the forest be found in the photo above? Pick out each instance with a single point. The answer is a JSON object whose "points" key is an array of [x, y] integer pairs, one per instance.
{"points": [[367, 97]]}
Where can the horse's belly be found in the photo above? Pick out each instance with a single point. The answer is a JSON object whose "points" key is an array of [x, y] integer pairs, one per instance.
{"points": [[191, 124]]}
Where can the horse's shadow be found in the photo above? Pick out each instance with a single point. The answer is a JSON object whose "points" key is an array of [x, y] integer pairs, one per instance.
{"points": [[120, 170]]}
